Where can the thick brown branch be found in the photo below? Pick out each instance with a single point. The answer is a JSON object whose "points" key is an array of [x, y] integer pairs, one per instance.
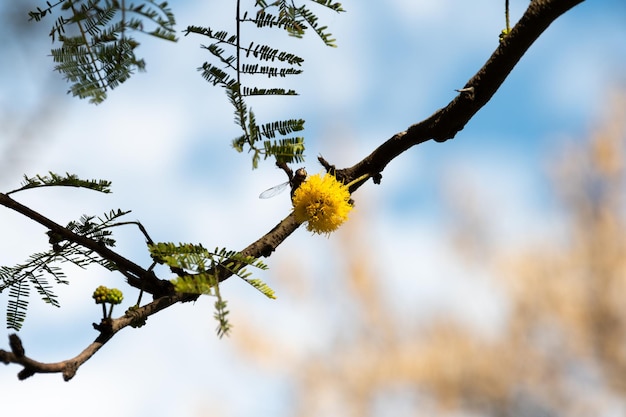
{"points": [[448, 121], [268, 243], [31, 367], [107, 328]]}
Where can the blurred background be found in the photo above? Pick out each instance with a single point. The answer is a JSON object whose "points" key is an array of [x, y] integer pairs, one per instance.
{"points": [[483, 277]]}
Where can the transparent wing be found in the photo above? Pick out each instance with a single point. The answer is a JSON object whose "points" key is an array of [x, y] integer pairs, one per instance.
{"points": [[271, 192]]}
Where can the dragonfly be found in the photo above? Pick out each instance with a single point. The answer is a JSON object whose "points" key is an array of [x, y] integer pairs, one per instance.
{"points": [[294, 181]]}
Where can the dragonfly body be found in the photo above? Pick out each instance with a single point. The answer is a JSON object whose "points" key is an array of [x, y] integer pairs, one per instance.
{"points": [[294, 181]]}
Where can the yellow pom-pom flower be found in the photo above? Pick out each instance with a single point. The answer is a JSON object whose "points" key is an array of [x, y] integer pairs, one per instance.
{"points": [[321, 202]]}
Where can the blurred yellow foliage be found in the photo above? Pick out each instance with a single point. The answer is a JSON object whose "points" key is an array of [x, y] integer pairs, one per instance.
{"points": [[561, 349]]}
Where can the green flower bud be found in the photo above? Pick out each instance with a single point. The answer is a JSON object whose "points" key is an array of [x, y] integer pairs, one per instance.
{"points": [[114, 296], [100, 294]]}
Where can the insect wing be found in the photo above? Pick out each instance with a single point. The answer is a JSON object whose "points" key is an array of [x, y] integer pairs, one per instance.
{"points": [[271, 192]]}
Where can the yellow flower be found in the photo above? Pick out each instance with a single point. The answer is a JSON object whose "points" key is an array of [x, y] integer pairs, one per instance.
{"points": [[322, 202]]}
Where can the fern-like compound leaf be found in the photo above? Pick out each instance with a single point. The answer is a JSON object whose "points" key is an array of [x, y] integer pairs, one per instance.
{"points": [[67, 180], [267, 53], [215, 75], [44, 289], [265, 19], [262, 287], [270, 72], [336, 6], [235, 64], [221, 315], [39, 267], [203, 265], [99, 53], [282, 127], [17, 305], [202, 271], [247, 92], [288, 150], [204, 284], [310, 18]]}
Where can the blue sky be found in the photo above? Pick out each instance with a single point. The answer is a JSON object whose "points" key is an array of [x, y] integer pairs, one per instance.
{"points": [[163, 139]]}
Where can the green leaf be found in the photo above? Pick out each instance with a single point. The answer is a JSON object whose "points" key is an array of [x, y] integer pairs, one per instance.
{"points": [[203, 284], [282, 127], [321, 31], [262, 287], [336, 6], [236, 64], [44, 289], [267, 53], [37, 269], [270, 72], [221, 315], [101, 55], [67, 180], [17, 305], [246, 91], [288, 150], [203, 265]]}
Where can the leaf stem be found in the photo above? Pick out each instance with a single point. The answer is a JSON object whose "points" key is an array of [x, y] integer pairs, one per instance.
{"points": [[506, 14]]}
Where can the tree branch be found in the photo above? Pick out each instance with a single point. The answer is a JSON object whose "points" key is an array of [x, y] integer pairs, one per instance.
{"points": [[107, 328], [136, 276], [441, 126], [445, 123]]}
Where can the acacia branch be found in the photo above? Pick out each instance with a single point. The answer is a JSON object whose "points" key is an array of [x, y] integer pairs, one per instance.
{"points": [[441, 126], [445, 123], [107, 328], [136, 276]]}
